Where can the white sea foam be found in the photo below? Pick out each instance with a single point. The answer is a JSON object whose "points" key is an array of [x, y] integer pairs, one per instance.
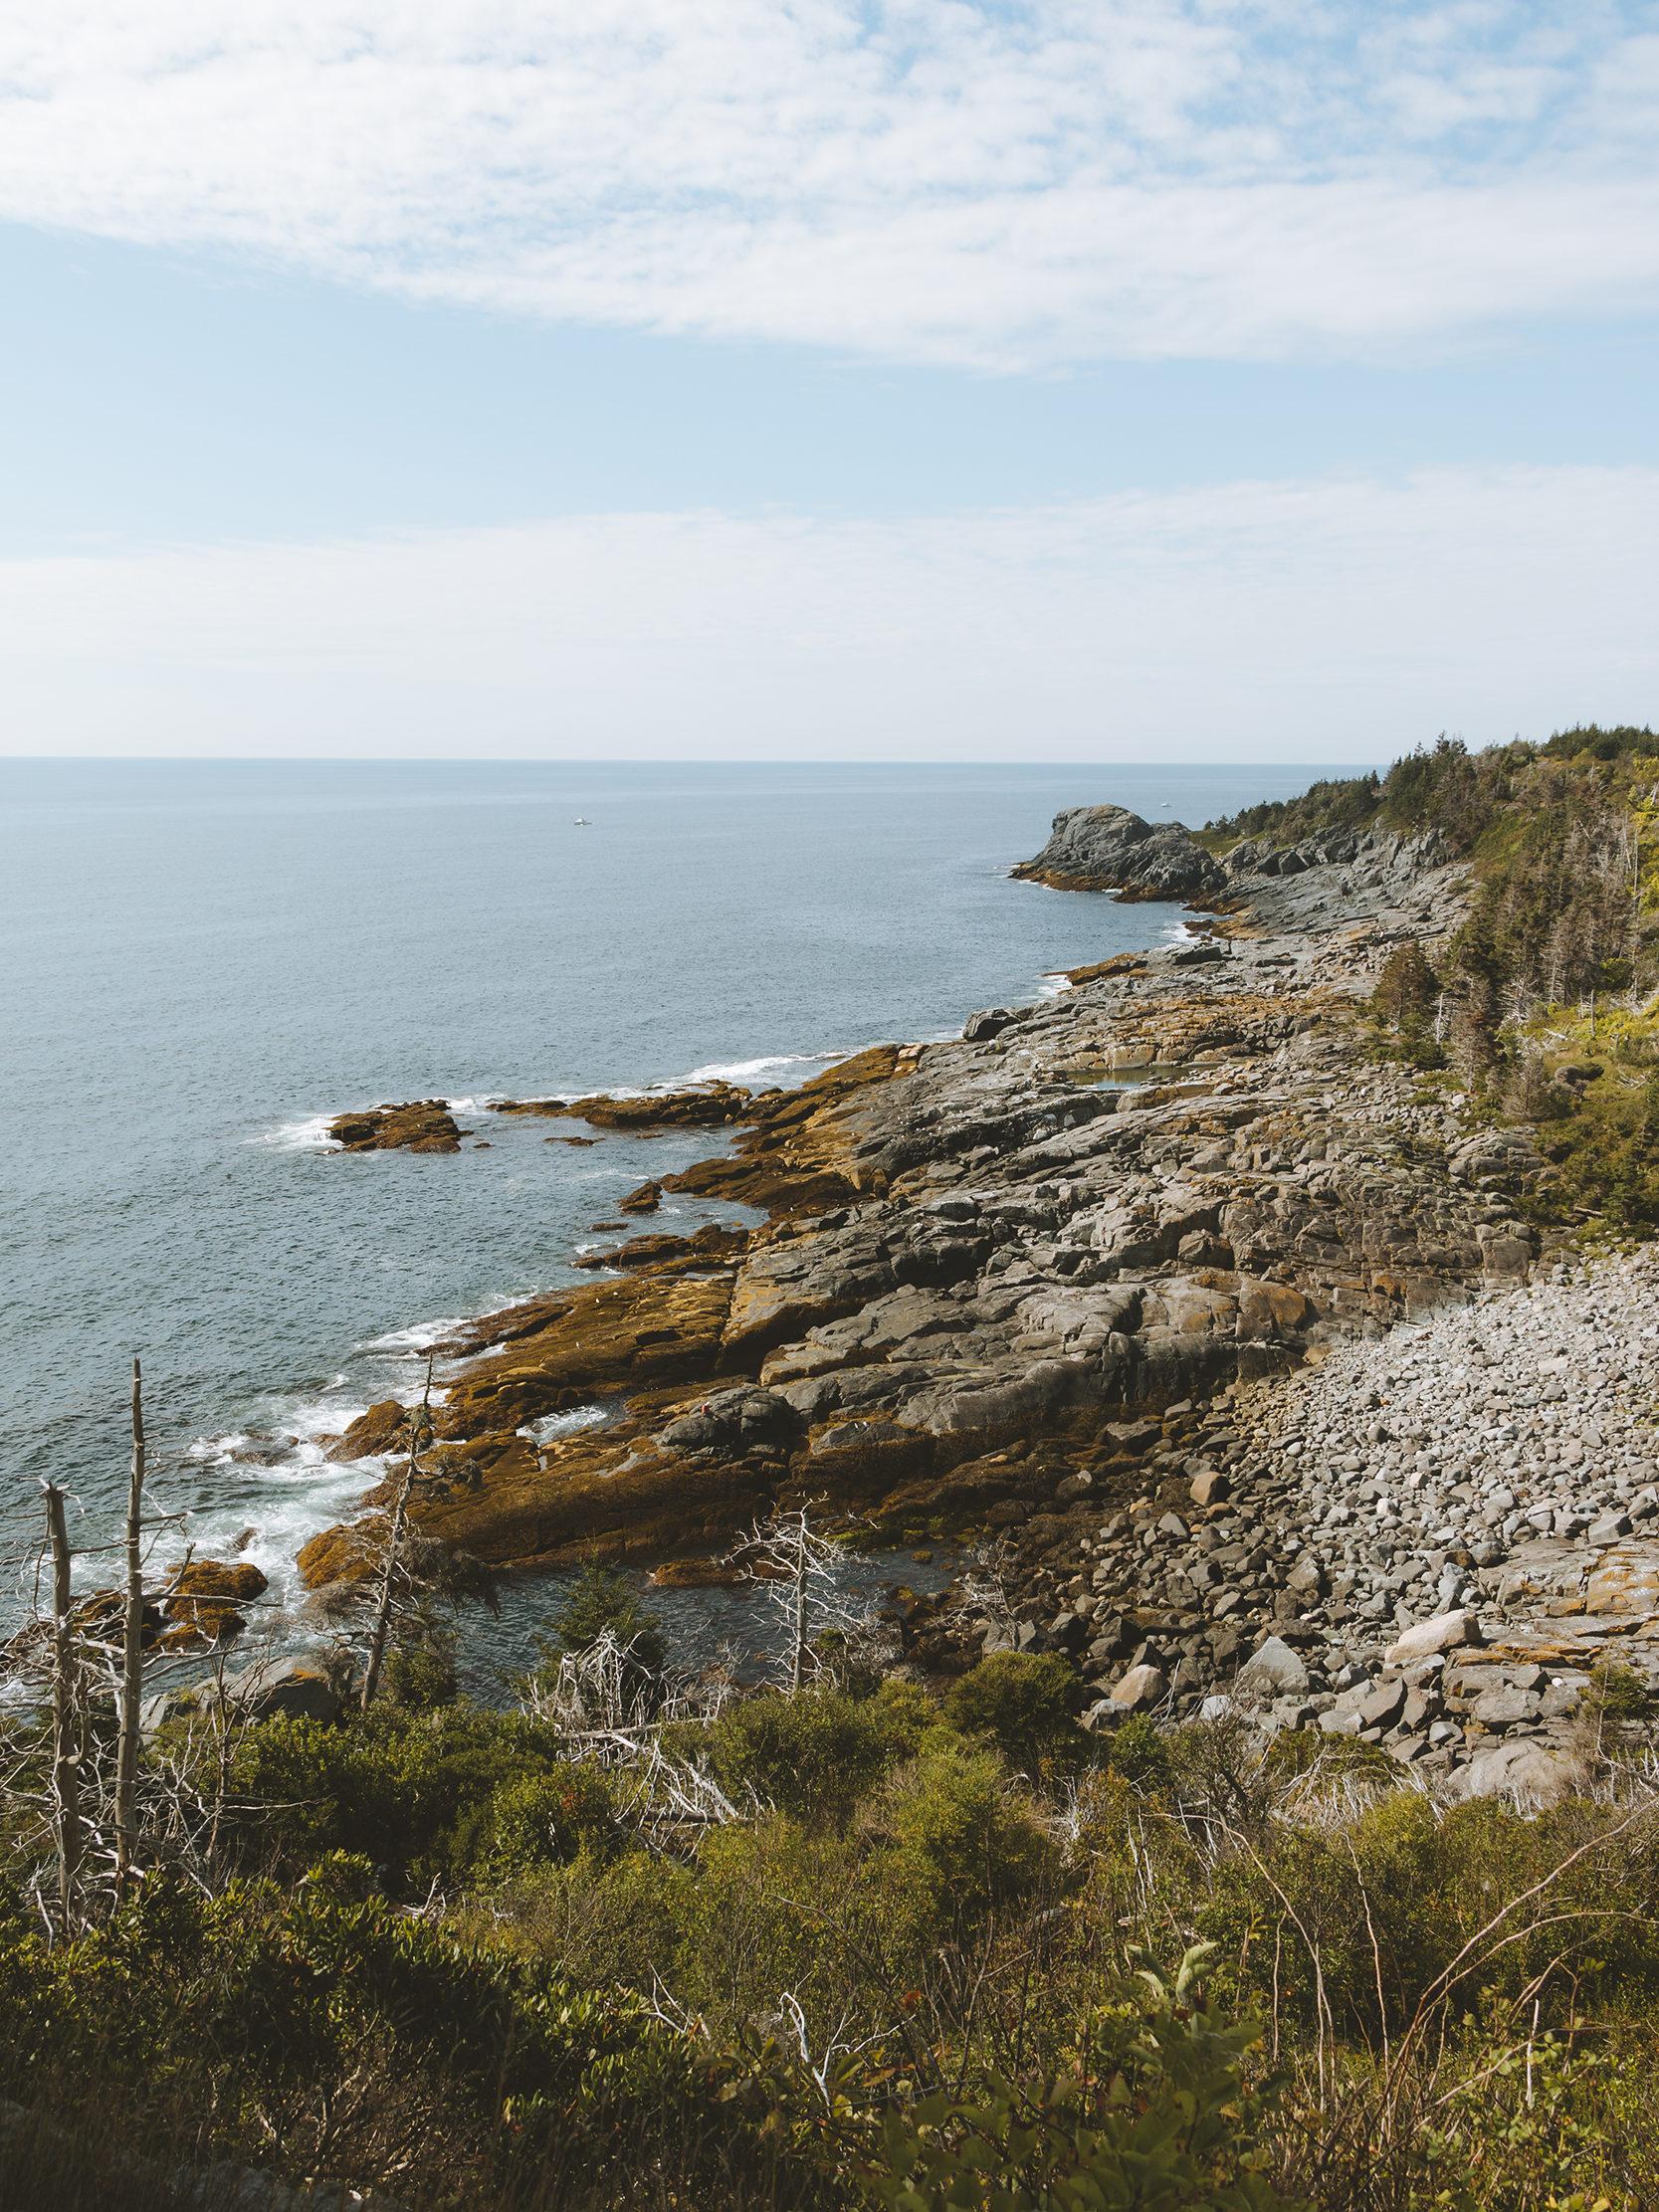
{"points": [[565, 1424], [419, 1335], [746, 1071], [275, 1492], [219, 1449], [308, 1136]]}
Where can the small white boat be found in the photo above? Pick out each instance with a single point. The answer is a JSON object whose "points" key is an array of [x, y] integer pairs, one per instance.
{"points": [[581, 823]]}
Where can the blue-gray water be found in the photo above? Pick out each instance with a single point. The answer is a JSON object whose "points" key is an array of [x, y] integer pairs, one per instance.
{"points": [[203, 960]]}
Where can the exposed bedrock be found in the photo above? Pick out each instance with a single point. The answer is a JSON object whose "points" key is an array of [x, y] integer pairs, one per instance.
{"points": [[701, 1105], [419, 1125], [1110, 849], [1106, 848], [988, 1260]]}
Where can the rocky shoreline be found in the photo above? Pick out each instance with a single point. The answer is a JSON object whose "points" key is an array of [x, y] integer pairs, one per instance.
{"points": [[1053, 1283]]}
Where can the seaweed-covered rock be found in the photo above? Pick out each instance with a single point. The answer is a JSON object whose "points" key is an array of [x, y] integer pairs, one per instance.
{"points": [[419, 1125]]}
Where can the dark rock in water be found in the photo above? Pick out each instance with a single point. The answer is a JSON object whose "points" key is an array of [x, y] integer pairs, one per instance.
{"points": [[202, 1600], [383, 1428], [1106, 848], [645, 1200], [702, 1105], [419, 1125]]}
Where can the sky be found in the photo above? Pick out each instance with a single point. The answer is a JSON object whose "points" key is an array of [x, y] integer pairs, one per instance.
{"points": [[892, 379]]}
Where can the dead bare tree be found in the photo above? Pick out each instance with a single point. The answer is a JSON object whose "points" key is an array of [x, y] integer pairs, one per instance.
{"points": [[132, 1647], [420, 1425], [66, 1718], [801, 1573]]}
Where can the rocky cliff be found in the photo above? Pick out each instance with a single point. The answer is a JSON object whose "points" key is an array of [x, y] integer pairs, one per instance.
{"points": [[1106, 848]]}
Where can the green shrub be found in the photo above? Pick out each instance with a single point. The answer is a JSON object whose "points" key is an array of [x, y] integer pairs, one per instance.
{"points": [[534, 1820], [420, 1675], [603, 1602], [1152, 2117], [327, 2025], [390, 1787], [768, 1907], [1138, 1749], [815, 1755], [1027, 1704], [955, 1842]]}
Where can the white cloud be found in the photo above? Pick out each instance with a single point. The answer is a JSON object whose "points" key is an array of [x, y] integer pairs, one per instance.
{"points": [[1317, 620], [1001, 182]]}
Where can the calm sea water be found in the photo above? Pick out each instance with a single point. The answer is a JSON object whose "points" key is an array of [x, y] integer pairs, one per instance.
{"points": [[201, 962]]}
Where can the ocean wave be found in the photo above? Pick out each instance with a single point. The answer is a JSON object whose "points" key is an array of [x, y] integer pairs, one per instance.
{"points": [[746, 1070], [260, 1496], [308, 1136], [219, 1449], [421, 1335]]}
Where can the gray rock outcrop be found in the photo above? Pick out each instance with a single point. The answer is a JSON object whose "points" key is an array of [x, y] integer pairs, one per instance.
{"points": [[1106, 848]]}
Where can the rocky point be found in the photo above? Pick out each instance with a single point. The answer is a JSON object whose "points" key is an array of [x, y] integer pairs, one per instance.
{"points": [[1236, 1342]]}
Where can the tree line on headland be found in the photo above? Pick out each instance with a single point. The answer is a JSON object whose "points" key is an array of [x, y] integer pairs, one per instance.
{"points": [[1542, 1003]]}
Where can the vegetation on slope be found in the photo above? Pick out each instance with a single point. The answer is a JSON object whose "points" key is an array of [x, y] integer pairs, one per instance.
{"points": [[868, 1946], [862, 1947], [1544, 1003]]}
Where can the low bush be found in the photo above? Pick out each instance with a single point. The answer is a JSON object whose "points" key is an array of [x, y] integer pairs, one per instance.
{"points": [[814, 1756], [1026, 1703]]}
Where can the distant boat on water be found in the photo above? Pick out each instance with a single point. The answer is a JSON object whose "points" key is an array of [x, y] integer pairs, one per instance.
{"points": [[581, 823]]}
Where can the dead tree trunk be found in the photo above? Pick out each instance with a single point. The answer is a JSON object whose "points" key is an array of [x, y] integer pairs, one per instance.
{"points": [[133, 1650], [797, 1654], [386, 1596], [66, 1745]]}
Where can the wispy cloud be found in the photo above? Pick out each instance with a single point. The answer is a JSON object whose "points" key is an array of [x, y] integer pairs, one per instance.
{"points": [[1007, 184], [1325, 619]]}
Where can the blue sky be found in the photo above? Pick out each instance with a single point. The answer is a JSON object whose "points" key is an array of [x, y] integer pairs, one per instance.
{"points": [[911, 380]]}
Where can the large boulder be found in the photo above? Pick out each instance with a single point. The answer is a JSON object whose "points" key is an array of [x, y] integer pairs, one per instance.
{"points": [[1274, 1671], [1447, 1631], [1106, 848], [1529, 1773], [733, 1422], [303, 1688]]}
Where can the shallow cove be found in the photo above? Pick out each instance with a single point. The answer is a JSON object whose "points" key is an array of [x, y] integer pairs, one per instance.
{"points": [[206, 959]]}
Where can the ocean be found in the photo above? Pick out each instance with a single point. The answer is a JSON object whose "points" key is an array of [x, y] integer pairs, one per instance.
{"points": [[203, 961]]}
